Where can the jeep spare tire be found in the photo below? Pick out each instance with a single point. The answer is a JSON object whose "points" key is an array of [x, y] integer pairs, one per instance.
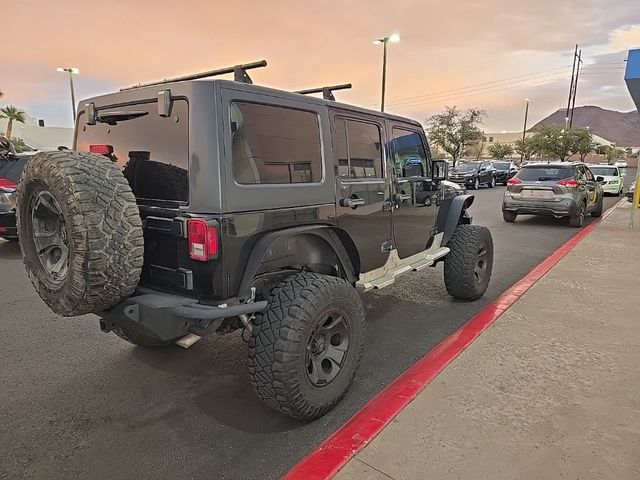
{"points": [[80, 231]]}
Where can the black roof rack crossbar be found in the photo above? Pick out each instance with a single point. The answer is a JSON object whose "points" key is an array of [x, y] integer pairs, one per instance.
{"points": [[327, 92], [239, 73]]}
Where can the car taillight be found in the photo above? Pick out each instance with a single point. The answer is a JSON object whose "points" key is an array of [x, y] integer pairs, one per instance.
{"points": [[203, 239], [101, 149], [514, 181], [569, 182], [8, 184]]}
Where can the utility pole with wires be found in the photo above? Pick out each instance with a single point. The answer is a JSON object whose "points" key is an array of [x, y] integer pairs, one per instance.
{"points": [[573, 76], [575, 88]]}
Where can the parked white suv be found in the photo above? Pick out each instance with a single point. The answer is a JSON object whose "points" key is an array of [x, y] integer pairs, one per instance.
{"points": [[612, 182]]}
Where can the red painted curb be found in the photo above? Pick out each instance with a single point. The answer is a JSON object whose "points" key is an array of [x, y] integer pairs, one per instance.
{"points": [[353, 436]]}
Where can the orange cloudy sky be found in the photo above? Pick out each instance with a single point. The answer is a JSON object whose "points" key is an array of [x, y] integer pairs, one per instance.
{"points": [[491, 53]]}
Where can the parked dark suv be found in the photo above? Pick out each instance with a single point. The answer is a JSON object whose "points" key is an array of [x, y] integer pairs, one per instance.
{"points": [[474, 174], [196, 207], [561, 189]]}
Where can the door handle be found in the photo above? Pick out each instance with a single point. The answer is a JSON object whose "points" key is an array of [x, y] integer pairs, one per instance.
{"points": [[351, 202]]}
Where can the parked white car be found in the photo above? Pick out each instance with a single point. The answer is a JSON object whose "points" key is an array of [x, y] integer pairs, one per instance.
{"points": [[612, 182], [621, 163]]}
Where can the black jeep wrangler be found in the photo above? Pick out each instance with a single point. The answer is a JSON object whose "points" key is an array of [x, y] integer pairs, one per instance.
{"points": [[190, 207]]}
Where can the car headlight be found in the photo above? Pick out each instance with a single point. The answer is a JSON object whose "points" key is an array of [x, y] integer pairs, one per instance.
{"points": [[8, 199], [614, 181]]}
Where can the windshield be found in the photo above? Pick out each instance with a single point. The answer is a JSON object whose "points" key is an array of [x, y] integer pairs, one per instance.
{"points": [[604, 171], [466, 167], [501, 165], [543, 173]]}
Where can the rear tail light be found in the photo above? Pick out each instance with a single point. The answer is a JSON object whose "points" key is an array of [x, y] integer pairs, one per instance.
{"points": [[203, 239], [514, 181], [101, 149], [8, 184], [569, 182]]}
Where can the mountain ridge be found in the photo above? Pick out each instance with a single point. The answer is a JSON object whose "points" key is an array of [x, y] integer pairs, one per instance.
{"points": [[622, 128]]}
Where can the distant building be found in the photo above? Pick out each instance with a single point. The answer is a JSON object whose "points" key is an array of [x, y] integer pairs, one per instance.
{"points": [[39, 137]]}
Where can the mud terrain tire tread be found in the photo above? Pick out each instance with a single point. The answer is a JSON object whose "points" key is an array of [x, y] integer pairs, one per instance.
{"points": [[106, 245], [280, 335], [460, 262]]}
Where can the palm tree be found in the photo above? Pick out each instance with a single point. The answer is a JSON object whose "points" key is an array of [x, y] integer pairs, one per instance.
{"points": [[12, 114]]}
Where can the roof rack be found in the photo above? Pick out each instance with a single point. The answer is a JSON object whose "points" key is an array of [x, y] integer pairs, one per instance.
{"points": [[327, 92], [239, 75]]}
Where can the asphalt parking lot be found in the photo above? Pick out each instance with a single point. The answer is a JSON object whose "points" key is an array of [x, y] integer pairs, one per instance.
{"points": [[77, 403]]}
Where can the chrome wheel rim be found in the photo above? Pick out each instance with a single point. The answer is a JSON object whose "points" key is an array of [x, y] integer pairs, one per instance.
{"points": [[327, 349], [50, 236]]}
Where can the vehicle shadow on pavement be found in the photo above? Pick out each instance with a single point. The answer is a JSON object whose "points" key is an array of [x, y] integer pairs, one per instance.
{"points": [[9, 250], [212, 375], [539, 221]]}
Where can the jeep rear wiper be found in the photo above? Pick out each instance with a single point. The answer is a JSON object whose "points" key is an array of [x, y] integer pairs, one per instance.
{"points": [[114, 116]]}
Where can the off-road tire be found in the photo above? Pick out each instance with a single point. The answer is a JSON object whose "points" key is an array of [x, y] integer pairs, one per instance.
{"points": [[492, 183], [509, 216], [598, 211], [460, 263], [102, 228], [141, 339], [577, 220], [476, 184], [278, 344]]}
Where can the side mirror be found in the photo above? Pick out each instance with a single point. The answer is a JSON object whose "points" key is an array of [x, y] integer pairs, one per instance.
{"points": [[599, 179], [440, 170]]}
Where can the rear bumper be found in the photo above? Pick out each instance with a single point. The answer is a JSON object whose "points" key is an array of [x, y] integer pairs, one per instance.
{"points": [[167, 316], [8, 225], [562, 207]]}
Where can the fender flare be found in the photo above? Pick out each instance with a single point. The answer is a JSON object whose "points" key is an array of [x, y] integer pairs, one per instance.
{"points": [[450, 214], [330, 234]]}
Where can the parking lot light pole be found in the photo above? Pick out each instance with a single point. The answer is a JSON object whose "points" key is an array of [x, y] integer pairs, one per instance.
{"points": [[524, 129], [71, 71], [393, 38]]}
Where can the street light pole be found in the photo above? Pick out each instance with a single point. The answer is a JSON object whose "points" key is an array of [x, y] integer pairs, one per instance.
{"points": [[384, 72], [391, 38], [71, 71], [524, 129]]}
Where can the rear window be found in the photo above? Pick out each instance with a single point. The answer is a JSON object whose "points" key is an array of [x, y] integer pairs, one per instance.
{"points": [[604, 171], [152, 151], [542, 173]]}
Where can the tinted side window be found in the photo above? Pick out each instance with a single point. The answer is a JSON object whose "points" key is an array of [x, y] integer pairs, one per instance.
{"points": [[358, 149], [152, 151], [410, 156], [589, 175], [274, 144], [580, 173]]}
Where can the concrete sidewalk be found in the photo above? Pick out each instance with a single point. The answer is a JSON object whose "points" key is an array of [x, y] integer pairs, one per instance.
{"points": [[550, 390]]}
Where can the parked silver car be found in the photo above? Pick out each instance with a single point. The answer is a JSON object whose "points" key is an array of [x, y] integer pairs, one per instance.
{"points": [[560, 189]]}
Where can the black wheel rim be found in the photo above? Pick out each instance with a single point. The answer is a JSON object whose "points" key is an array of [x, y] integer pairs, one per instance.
{"points": [[50, 236], [480, 268], [327, 349]]}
